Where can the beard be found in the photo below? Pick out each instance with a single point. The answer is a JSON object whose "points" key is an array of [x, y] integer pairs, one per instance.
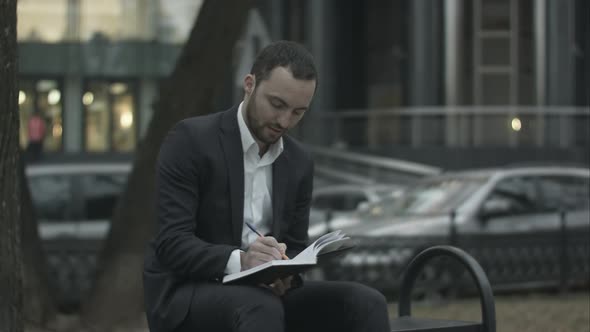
{"points": [[258, 128]]}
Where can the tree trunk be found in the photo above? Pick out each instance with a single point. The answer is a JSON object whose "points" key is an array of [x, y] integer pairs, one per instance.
{"points": [[10, 254], [190, 90], [39, 308]]}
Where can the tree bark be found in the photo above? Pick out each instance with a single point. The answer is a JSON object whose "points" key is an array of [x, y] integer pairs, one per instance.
{"points": [[190, 90], [10, 252], [39, 308]]}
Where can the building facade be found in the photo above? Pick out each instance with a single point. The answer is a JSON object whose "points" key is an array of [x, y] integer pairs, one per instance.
{"points": [[92, 68]]}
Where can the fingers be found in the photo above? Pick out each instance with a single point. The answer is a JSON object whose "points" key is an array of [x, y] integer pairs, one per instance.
{"points": [[280, 286], [282, 248], [266, 247], [262, 250], [268, 241], [272, 242]]}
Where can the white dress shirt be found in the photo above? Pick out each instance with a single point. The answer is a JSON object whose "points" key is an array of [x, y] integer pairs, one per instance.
{"points": [[257, 189]]}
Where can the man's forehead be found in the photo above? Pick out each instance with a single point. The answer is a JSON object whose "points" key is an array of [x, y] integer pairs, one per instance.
{"points": [[281, 80]]}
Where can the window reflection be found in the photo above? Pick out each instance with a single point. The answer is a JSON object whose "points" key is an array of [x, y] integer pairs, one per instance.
{"points": [[100, 194], [42, 20], [110, 123], [46, 97], [176, 19], [52, 197], [116, 19], [124, 123], [96, 111], [83, 20]]}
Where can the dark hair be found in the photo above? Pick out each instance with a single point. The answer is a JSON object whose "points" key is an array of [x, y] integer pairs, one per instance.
{"points": [[288, 54]]}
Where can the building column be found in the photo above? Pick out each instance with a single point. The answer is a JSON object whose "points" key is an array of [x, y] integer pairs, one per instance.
{"points": [[147, 93], [424, 60], [73, 119], [424, 49], [540, 42], [453, 59], [276, 19], [560, 43], [318, 39], [72, 32], [560, 66]]}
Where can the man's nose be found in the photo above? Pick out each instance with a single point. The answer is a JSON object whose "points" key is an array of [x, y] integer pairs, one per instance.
{"points": [[284, 120]]}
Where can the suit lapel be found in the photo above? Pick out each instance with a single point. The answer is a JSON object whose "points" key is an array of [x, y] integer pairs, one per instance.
{"points": [[234, 158], [280, 174]]}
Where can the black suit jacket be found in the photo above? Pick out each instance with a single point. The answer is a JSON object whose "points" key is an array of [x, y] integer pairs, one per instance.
{"points": [[200, 204]]}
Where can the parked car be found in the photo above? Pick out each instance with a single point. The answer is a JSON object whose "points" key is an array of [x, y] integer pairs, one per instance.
{"points": [[527, 226], [74, 204], [333, 206], [76, 200]]}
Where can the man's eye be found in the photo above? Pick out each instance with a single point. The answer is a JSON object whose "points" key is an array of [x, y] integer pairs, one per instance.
{"points": [[277, 105]]}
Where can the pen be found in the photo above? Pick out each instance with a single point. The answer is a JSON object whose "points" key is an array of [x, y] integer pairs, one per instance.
{"points": [[253, 229]]}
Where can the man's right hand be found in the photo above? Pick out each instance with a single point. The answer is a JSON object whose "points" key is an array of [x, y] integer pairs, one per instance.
{"points": [[262, 250]]}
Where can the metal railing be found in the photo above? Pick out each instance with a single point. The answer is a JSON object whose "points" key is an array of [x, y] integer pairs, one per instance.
{"points": [[512, 261], [456, 126]]}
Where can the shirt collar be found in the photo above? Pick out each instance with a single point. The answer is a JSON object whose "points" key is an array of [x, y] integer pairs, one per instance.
{"points": [[274, 150]]}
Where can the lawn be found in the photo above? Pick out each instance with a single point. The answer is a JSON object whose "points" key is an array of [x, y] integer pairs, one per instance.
{"points": [[568, 312], [539, 312]]}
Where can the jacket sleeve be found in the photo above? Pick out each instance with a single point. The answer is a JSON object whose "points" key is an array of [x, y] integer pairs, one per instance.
{"points": [[297, 237], [177, 196]]}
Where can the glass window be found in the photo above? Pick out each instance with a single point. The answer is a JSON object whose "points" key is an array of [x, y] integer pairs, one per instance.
{"points": [[117, 19], [101, 192], [177, 19], [26, 106], [52, 197], [432, 197], [43, 96], [42, 20], [565, 192], [519, 192], [110, 123]]}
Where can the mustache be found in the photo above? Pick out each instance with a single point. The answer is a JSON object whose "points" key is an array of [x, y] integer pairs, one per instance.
{"points": [[277, 127]]}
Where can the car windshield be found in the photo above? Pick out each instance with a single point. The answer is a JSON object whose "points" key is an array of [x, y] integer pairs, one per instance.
{"points": [[67, 197], [431, 197]]}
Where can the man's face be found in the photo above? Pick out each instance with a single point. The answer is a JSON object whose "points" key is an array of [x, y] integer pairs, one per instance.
{"points": [[276, 105]]}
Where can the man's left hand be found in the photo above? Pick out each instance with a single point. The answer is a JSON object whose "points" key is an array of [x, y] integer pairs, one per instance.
{"points": [[281, 286]]}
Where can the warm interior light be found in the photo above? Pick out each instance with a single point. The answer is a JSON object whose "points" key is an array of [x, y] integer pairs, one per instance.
{"points": [[516, 124], [88, 98], [22, 97], [126, 119], [57, 130], [118, 88], [53, 97]]}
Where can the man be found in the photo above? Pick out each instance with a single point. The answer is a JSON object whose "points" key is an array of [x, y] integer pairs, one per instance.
{"points": [[219, 171], [36, 135]]}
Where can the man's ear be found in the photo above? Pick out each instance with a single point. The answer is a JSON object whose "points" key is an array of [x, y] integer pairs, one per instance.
{"points": [[249, 84]]}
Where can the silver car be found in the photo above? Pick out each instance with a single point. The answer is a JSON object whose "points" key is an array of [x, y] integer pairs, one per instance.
{"points": [[334, 206], [74, 204], [76, 200], [527, 226]]}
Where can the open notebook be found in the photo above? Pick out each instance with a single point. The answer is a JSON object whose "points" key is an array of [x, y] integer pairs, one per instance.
{"points": [[270, 271]]}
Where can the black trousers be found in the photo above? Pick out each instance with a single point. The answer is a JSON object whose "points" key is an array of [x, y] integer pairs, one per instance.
{"points": [[316, 306]]}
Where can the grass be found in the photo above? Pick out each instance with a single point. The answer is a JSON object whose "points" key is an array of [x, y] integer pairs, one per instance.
{"points": [[568, 312], [540, 312]]}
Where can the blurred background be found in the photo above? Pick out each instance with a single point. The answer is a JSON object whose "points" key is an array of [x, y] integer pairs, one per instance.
{"points": [[416, 99], [449, 83]]}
